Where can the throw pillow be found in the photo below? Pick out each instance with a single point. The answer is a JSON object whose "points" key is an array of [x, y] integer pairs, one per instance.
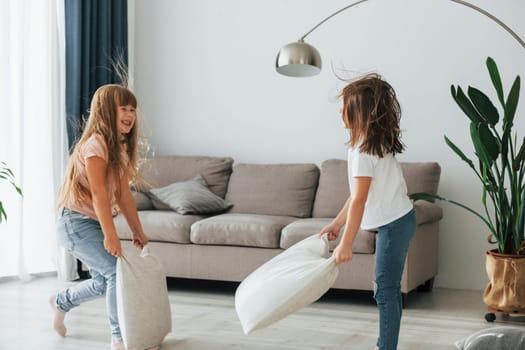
{"points": [[143, 306], [290, 281], [142, 201], [190, 197]]}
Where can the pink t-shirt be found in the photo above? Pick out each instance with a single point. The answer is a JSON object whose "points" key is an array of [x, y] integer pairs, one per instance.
{"points": [[95, 146]]}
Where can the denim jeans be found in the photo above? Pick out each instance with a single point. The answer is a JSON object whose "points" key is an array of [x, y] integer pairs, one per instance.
{"points": [[83, 238], [391, 250]]}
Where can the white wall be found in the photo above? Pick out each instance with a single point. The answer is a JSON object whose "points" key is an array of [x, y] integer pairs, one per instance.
{"points": [[206, 80]]}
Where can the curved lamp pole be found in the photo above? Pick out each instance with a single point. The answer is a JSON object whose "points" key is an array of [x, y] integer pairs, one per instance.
{"points": [[300, 59]]}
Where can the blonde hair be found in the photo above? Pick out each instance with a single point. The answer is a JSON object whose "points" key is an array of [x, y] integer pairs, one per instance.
{"points": [[372, 113], [103, 122]]}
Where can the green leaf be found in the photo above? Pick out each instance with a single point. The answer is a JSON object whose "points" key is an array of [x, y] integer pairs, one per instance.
{"points": [[484, 106], [7, 175], [18, 189], [481, 152], [488, 142], [7, 171], [512, 101], [520, 157], [520, 220], [505, 144], [459, 152], [2, 212], [496, 79], [465, 104]]}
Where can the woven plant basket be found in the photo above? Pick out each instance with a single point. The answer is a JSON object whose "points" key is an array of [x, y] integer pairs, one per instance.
{"points": [[505, 291]]}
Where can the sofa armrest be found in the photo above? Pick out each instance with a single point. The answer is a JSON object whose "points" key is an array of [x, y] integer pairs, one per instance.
{"points": [[422, 258], [427, 212]]}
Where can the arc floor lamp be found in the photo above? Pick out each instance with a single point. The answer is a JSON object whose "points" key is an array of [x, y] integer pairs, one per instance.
{"points": [[300, 59]]}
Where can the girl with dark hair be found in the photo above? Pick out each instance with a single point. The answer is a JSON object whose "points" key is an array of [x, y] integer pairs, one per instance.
{"points": [[378, 195]]}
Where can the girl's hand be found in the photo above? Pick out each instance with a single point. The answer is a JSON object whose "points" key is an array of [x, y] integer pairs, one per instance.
{"points": [[332, 230], [112, 245], [342, 253], [139, 240]]}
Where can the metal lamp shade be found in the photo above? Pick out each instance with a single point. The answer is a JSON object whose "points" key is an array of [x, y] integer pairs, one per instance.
{"points": [[298, 59], [302, 60]]}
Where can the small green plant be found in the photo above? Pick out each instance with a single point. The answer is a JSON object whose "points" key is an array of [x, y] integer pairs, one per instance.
{"points": [[500, 165], [7, 175]]}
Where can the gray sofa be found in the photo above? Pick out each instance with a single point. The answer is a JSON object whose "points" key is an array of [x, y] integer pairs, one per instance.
{"points": [[274, 206]]}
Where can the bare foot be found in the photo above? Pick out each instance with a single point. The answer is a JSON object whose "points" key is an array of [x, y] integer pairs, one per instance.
{"points": [[154, 348], [118, 346], [58, 317]]}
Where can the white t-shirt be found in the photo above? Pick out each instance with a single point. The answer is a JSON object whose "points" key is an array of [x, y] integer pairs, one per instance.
{"points": [[387, 197]]}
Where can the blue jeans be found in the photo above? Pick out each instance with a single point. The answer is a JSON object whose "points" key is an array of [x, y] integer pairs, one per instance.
{"points": [[83, 238], [391, 251]]}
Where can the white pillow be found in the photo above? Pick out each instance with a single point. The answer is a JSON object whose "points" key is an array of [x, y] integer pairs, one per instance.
{"points": [[500, 338], [142, 299], [290, 281]]}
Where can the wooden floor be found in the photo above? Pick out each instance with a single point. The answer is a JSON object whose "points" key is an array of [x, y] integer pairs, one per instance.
{"points": [[204, 318]]}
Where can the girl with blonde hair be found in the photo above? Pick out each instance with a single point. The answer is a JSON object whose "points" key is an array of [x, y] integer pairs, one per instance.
{"points": [[378, 195], [96, 182]]}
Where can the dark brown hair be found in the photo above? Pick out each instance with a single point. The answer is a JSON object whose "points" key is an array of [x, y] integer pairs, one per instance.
{"points": [[372, 113]]}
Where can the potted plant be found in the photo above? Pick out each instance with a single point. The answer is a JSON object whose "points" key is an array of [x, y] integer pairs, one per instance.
{"points": [[7, 175], [500, 167]]}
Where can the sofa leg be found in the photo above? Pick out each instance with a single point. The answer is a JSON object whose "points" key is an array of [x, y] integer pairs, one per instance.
{"points": [[83, 271], [427, 286], [404, 298]]}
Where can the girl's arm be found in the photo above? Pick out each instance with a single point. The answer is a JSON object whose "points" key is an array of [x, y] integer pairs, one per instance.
{"points": [[335, 226], [129, 209], [354, 215], [96, 174], [340, 219]]}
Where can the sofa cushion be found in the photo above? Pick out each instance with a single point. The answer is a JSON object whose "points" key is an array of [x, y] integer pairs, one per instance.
{"points": [[164, 170], [190, 197], [273, 189], [364, 242], [421, 177], [160, 225], [333, 189], [249, 230]]}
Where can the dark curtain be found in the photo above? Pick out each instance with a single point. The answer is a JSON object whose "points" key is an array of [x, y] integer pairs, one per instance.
{"points": [[96, 38]]}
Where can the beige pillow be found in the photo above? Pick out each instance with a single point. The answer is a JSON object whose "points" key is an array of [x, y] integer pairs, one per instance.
{"points": [[164, 170], [421, 176], [143, 306], [273, 189], [333, 189], [142, 201]]}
